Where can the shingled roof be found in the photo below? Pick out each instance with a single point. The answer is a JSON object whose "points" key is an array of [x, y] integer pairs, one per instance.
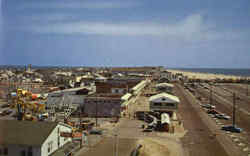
{"points": [[13, 132]]}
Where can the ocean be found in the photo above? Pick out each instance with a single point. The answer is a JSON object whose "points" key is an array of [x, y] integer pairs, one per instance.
{"points": [[227, 71]]}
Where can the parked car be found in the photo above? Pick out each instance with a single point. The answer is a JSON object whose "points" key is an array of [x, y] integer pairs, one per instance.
{"points": [[5, 105], [15, 115], [208, 106], [96, 132], [212, 115], [1, 113], [148, 130], [7, 112], [212, 111], [222, 116], [231, 128]]}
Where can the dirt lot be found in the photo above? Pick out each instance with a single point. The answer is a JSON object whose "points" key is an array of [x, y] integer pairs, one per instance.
{"points": [[153, 148], [224, 104]]}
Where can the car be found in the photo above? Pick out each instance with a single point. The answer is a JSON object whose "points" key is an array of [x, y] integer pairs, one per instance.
{"points": [[208, 106], [15, 115], [148, 130], [212, 111], [96, 132], [7, 112], [231, 128], [222, 116], [212, 115], [1, 113], [5, 105]]}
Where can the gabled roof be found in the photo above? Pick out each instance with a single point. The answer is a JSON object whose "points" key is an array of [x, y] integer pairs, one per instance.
{"points": [[164, 85], [164, 95], [13, 132], [126, 96]]}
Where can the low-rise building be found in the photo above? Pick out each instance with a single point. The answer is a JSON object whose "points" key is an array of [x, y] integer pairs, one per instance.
{"points": [[27, 138], [164, 102], [165, 87], [102, 105]]}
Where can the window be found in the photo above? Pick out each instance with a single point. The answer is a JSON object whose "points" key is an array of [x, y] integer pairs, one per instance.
{"points": [[50, 146], [23, 153], [58, 138], [30, 151], [5, 151], [157, 104], [170, 104]]}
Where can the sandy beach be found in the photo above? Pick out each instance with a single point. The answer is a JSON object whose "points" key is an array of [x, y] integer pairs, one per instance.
{"points": [[207, 76]]}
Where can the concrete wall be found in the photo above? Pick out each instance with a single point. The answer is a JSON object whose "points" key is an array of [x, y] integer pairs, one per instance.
{"points": [[53, 138]]}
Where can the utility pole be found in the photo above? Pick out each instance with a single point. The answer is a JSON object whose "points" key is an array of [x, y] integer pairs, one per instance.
{"points": [[116, 131], [116, 145], [211, 94], [96, 113], [247, 89], [234, 102]]}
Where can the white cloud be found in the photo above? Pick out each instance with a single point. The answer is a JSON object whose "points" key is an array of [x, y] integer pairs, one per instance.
{"points": [[1, 34], [191, 28], [78, 5]]}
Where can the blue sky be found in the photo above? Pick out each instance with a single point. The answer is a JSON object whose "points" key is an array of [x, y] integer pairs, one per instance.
{"points": [[179, 33]]}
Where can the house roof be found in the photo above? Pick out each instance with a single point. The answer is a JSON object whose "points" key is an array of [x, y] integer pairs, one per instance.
{"points": [[126, 96], [139, 85], [164, 95], [24, 132], [164, 85], [70, 90]]}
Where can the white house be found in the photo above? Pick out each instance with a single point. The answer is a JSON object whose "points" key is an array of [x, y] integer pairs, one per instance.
{"points": [[164, 102], [25, 138]]}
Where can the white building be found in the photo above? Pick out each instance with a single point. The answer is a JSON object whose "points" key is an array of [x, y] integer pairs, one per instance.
{"points": [[164, 102], [166, 87], [25, 138]]}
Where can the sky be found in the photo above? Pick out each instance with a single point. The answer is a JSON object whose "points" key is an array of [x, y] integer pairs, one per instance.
{"points": [[176, 34]]}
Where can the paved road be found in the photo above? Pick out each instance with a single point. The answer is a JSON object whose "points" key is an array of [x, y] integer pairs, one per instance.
{"points": [[128, 133], [107, 147]]}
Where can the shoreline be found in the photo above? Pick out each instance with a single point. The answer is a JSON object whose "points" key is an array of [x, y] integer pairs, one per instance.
{"points": [[206, 76]]}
